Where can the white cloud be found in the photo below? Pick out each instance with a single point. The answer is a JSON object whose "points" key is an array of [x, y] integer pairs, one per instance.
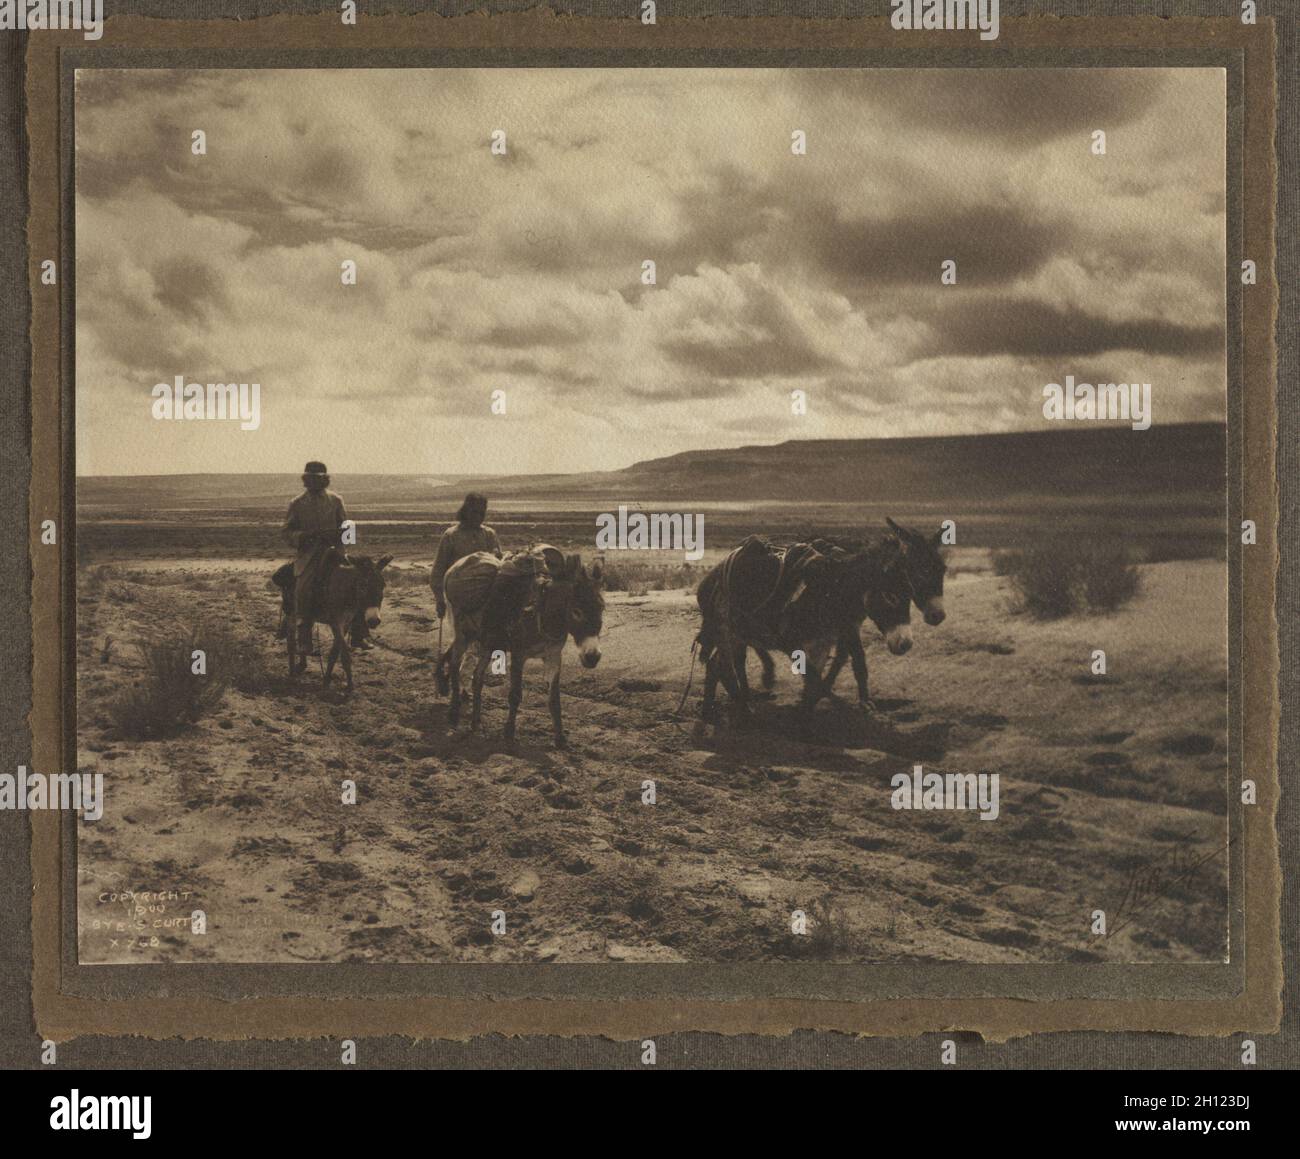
{"points": [[522, 273]]}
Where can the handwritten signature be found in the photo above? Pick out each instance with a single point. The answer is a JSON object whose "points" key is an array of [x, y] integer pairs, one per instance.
{"points": [[1148, 883]]}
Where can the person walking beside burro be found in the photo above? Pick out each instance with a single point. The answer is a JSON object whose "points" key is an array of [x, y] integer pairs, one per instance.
{"points": [[464, 537], [314, 525]]}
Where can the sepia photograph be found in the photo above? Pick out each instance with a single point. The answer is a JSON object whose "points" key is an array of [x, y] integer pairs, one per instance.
{"points": [[677, 515]]}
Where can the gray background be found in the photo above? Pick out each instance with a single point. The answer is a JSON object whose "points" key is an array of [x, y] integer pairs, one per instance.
{"points": [[19, 1044]]}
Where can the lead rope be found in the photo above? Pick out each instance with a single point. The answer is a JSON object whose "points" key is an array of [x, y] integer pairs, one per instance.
{"points": [[690, 678], [437, 668]]}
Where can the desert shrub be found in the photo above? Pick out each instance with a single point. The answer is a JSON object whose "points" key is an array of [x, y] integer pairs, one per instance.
{"points": [[168, 696], [1045, 578], [1056, 578], [830, 935], [406, 576], [1109, 579], [1003, 561], [638, 578], [235, 656], [93, 579]]}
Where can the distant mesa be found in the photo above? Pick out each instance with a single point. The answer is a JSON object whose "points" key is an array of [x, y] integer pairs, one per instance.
{"points": [[1186, 461]]}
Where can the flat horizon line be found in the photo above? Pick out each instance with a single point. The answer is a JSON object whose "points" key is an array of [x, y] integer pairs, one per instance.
{"points": [[454, 475]]}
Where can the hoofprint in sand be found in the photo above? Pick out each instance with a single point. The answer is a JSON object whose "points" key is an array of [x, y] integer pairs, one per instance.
{"points": [[1102, 779]]}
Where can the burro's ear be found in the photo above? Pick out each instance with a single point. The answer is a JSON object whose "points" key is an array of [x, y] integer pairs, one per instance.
{"points": [[597, 571], [898, 531], [384, 561], [937, 538]]}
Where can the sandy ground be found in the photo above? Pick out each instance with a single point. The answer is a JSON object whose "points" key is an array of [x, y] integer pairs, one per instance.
{"points": [[1106, 783]]}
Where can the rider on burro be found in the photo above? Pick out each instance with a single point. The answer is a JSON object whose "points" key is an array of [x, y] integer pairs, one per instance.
{"points": [[313, 525], [464, 537]]}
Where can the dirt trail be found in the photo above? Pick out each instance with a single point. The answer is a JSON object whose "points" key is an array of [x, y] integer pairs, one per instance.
{"points": [[1101, 777]]}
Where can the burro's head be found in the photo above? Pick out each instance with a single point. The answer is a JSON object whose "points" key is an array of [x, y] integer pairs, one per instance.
{"points": [[925, 568], [886, 595], [371, 585], [586, 608]]}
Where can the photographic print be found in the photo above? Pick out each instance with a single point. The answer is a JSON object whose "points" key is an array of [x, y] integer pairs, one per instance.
{"points": [[667, 515]]}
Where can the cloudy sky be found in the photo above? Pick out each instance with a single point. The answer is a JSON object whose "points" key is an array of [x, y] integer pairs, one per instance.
{"points": [[522, 273]]}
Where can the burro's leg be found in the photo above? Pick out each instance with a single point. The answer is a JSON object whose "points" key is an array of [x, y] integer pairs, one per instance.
{"points": [[736, 681], [301, 622], [851, 642], [718, 669], [345, 649], [339, 650], [709, 702], [453, 673], [335, 650], [516, 691], [553, 655], [442, 670], [843, 653], [708, 654], [480, 671], [813, 686]]}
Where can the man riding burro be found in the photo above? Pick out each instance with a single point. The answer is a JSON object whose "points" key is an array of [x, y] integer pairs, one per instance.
{"points": [[313, 526], [464, 537]]}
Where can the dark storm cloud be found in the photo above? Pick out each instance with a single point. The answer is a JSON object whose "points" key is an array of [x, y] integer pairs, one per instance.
{"points": [[530, 335], [730, 217], [989, 243], [1021, 105], [189, 287], [756, 356], [1023, 326], [330, 172], [148, 354]]}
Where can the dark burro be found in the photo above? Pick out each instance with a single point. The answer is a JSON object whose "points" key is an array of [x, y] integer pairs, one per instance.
{"points": [[810, 598]]}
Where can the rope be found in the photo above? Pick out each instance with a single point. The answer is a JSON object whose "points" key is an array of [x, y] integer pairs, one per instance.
{"points": [[690, 678], [437, 668]]}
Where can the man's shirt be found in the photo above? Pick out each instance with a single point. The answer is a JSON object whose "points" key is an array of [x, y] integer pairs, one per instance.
{"points": [[313, 512]]}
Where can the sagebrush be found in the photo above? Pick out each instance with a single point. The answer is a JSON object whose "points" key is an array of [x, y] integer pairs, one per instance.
{"points": [[1066, 576], [169, 695]]}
